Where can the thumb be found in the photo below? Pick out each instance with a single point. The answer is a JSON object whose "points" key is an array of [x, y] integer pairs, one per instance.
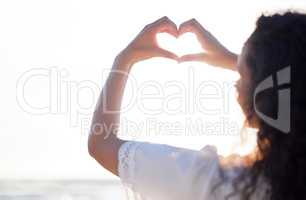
{"points": [[165, 53], [199, 57]]}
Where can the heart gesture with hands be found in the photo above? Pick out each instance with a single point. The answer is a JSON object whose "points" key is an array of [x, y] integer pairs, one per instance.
{"points": [[145, 45]]}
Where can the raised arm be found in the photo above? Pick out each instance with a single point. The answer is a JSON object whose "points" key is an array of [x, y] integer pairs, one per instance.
{"points": [[214, 52], [103, 144]]}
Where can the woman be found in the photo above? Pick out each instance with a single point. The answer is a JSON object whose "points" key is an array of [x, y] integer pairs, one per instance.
{"points": [[276, 170]]}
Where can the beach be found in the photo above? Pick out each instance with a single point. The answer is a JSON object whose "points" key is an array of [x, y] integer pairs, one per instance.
{"points": [[61, 190]]}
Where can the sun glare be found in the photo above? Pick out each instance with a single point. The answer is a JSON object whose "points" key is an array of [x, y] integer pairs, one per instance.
{"points": [[185, 44]]}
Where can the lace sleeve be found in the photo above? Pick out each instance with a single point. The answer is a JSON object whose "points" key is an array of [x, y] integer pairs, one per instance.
{"points": [[126, 162]]}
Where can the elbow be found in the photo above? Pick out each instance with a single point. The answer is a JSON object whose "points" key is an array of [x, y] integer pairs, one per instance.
{"points": [[92, 147], [98, 148]]}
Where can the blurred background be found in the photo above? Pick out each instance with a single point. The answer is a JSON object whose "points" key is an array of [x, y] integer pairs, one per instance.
{"points": [[55, 56]]}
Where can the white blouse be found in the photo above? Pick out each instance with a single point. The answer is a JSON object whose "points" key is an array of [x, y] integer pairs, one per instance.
{"points": [[162, 172]]}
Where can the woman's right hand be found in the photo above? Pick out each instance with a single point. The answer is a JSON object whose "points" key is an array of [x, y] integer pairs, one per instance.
{"points": [[214, 52], [145, 45]]}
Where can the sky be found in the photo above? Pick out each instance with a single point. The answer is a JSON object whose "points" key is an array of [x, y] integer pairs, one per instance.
{"points": [[55, 56]]}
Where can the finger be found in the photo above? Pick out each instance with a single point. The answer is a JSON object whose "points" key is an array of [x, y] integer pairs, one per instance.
{"points": [[151, 25], [164, 18], [192, 26], [199, 57], [160, 20], [188, 26], [168, 27], [165, 25], [159, 52]]}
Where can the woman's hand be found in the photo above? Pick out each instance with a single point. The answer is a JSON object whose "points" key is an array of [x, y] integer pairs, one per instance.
{"points": [[145, 45], [215, 53]]}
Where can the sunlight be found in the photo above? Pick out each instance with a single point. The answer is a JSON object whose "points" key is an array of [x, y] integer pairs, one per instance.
{"points": [[185, 44]]}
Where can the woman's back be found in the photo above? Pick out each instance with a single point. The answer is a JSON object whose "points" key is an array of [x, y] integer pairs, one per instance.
{"points": [[163, 172]]}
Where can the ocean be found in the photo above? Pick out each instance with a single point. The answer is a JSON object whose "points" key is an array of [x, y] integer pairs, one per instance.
{"points": [[61, 190]]}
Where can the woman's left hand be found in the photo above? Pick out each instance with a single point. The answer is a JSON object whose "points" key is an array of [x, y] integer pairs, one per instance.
{"points": [[145, 45]]}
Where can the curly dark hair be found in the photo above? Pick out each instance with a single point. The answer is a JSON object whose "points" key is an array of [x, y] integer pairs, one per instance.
{"points": [[278, 41]]}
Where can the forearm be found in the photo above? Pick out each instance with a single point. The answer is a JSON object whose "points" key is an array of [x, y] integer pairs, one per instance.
{"points": [[231, 61], [103, 142], [107, 112]]}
